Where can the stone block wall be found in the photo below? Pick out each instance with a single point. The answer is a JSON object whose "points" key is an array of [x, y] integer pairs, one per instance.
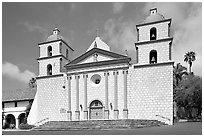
{"points": [[55, 49], [55, 62], [162, 31], [150, 93], [162, 48], [50, 100]]}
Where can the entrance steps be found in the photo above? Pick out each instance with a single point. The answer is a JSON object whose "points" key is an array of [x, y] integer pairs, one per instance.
{"points": [[98, 124]]}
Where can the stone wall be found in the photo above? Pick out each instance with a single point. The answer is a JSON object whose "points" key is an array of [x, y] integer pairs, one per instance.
{"points": [[50, 100], [162, 48], [162, 31], [150, 92], [55, 62]]}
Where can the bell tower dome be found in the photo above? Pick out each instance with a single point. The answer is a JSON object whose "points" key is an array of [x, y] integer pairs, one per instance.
{"points": [[154, 44], [54, 54]]}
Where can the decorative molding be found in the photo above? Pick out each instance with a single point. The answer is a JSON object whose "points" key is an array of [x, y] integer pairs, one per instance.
{"points": [[93, 52], [56, 41], [50, 76], [153, 65], [110, 69], [155, 22], [101, 63], [154, 41], [55, 56]]}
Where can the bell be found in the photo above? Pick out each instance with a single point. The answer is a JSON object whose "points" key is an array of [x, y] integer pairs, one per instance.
{"points": [[153, 35], [153, 60]]}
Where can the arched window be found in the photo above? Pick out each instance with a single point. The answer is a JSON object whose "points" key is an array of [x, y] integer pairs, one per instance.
{"points": [[49, 69], [153, 33], [49, 51], [153, 57]]}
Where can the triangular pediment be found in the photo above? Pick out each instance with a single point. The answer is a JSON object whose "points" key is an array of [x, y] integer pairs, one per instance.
{"points": [[96, 55]]}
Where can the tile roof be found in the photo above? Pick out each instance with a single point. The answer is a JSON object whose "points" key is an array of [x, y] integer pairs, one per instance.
{"points": [[18, 94]]}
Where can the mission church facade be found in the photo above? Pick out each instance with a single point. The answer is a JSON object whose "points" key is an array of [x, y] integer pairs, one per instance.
{"points": [[103, 85]]}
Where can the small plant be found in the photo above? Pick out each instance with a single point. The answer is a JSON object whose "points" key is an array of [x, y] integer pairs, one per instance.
{"points": [[25, 126]]}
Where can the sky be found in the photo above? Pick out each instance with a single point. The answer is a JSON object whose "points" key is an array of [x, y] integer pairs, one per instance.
{"points": [[24, 25]]}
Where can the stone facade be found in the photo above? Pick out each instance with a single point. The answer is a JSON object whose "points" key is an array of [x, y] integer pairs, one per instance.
{"points": [[107, 86]]}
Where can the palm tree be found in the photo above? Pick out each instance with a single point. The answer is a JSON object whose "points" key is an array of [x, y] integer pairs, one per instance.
{"points": [[189, 57], [179, 71]]}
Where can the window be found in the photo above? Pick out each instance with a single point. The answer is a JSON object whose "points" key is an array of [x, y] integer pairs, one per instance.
{"points": [[96, 79], [153, 33], [49, 69], [95, 57], [49, 51], [153, 57], [67, 53]]}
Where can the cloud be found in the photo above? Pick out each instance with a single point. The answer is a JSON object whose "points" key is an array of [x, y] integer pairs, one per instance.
{"points": [[12, 71], [186, 30], [120, 35], [36, 28], [118, 7]]}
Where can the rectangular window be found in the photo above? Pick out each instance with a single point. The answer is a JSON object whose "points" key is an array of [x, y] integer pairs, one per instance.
{"points": [[170, 53], [15, 104], [67, 53], [137, 34]]}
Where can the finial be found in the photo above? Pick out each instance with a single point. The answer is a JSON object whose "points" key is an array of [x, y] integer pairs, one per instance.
{"points": [[56, 30], [126, 52]]}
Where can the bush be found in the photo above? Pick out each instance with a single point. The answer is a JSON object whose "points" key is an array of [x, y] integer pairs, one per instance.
{"points": [[25, 126]]}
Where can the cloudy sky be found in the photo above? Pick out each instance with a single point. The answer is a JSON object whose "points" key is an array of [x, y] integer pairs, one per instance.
{"points": [[24, 25]]}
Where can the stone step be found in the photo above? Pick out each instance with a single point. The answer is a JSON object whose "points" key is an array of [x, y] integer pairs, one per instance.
{"points": [[98, 124]]}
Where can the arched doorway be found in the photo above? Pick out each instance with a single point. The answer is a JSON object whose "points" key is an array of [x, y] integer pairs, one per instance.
{"points": [[21, 118], [11, 121], [96, 110]]}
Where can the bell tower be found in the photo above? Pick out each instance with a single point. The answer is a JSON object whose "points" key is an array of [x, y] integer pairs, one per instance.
{"points": [[54, 54], [154, 43]]}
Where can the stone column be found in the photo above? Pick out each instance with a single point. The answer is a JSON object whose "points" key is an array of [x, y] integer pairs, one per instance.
{"points": [[17, 123], [69, 99], [125, 110], [116, 112], [85, 97], [4, 119], [77, 112], [106, 111]]}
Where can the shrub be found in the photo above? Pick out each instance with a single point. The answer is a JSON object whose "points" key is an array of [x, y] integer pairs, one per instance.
{"points": [[25, 126]]}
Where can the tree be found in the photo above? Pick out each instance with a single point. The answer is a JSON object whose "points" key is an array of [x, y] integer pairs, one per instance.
{"points": [[32, 83], [189, 96], [189, 57], [178, 72]]}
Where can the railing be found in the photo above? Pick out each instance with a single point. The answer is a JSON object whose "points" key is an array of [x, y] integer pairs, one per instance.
{"points": [[163, 117], [41, 122]]}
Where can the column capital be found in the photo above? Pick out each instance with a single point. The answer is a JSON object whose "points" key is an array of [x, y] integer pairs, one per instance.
{"points": [[125, 71], [85, 75], [69, 77], [77, 76], [106, 73], [115, 72]]}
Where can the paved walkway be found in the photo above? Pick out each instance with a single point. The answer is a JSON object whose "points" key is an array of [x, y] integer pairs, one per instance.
{"points": [[186, 128]]}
